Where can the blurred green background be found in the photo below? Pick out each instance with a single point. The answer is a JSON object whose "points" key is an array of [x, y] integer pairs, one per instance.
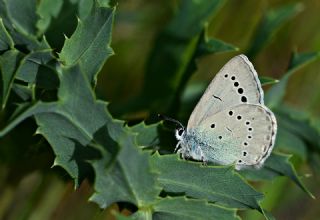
{"points": [[28, 192]]}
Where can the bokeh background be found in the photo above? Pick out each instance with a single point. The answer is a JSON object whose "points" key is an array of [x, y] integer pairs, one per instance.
{"points": [[32, 191]]}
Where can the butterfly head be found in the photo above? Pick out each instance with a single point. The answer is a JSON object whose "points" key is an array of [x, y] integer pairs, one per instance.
{"points": [[180, 133]]}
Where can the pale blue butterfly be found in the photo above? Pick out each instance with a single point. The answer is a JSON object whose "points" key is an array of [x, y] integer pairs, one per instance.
{"points": [[230, 124]]}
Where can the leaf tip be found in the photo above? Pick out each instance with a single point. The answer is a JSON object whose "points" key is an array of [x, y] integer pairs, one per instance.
{"points": [[55, 164], [38, 132], [65, 37], [79, 20]]}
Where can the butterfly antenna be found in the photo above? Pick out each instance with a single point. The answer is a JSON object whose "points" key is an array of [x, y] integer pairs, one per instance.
{"points": [[166, 118]]}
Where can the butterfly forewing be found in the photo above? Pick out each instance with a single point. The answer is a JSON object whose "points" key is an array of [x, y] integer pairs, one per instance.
{"points": [[245, 132], [236, 83]]}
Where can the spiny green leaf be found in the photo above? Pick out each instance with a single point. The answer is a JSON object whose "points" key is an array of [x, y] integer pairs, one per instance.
{"points": [[83, 123], [276, 165], [128, 179], [30, 64], [61, 24], [147, 135], [23, 15], [220, 185], [26, 41], [183, 208], [90, 136], [92, 34], [269, 24], [155, 137], [275, 95], [29, 41], [6, 41], [9, 62]]}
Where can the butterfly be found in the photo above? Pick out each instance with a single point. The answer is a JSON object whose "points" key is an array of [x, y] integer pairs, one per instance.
{"points": [[230, 124]]}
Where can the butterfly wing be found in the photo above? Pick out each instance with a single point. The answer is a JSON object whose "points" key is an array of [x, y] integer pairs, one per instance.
{"points": [[242, 134], [236, 83]]}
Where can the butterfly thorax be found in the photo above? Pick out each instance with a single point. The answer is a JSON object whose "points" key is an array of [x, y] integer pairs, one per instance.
{"points": [[193, 146], [198, 145]]}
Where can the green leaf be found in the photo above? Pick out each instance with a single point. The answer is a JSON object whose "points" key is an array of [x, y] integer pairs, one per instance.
{"points": [[147, 135], [215, 46], [83, 124], [47, 10], [30, 64], [92, 34], [199, 13], [300, 125], [299, 60], [24, 92], [85, 7], [126, 175], [24, 41], [6, 41], [205, 46], [219, 184], [9, 62], [276, 165], [290, 143], [155, 137], [173, 50], [275, 95], [23, 15], [104, 3], [183, 208], [280, 163], [61, 24], [209, 45], [270, 24]]}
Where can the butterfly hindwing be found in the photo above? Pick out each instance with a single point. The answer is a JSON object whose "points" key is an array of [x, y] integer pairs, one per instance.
{"points": [[242, 134], [236, 83]]}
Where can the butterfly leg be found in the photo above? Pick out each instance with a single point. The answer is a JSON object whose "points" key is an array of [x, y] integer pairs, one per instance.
{"points": [[181, 153], [204, 161], [177, 147]]}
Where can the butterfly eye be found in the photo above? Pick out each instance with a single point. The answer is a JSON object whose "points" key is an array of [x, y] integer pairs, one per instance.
{"points": [[180, 132]]}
